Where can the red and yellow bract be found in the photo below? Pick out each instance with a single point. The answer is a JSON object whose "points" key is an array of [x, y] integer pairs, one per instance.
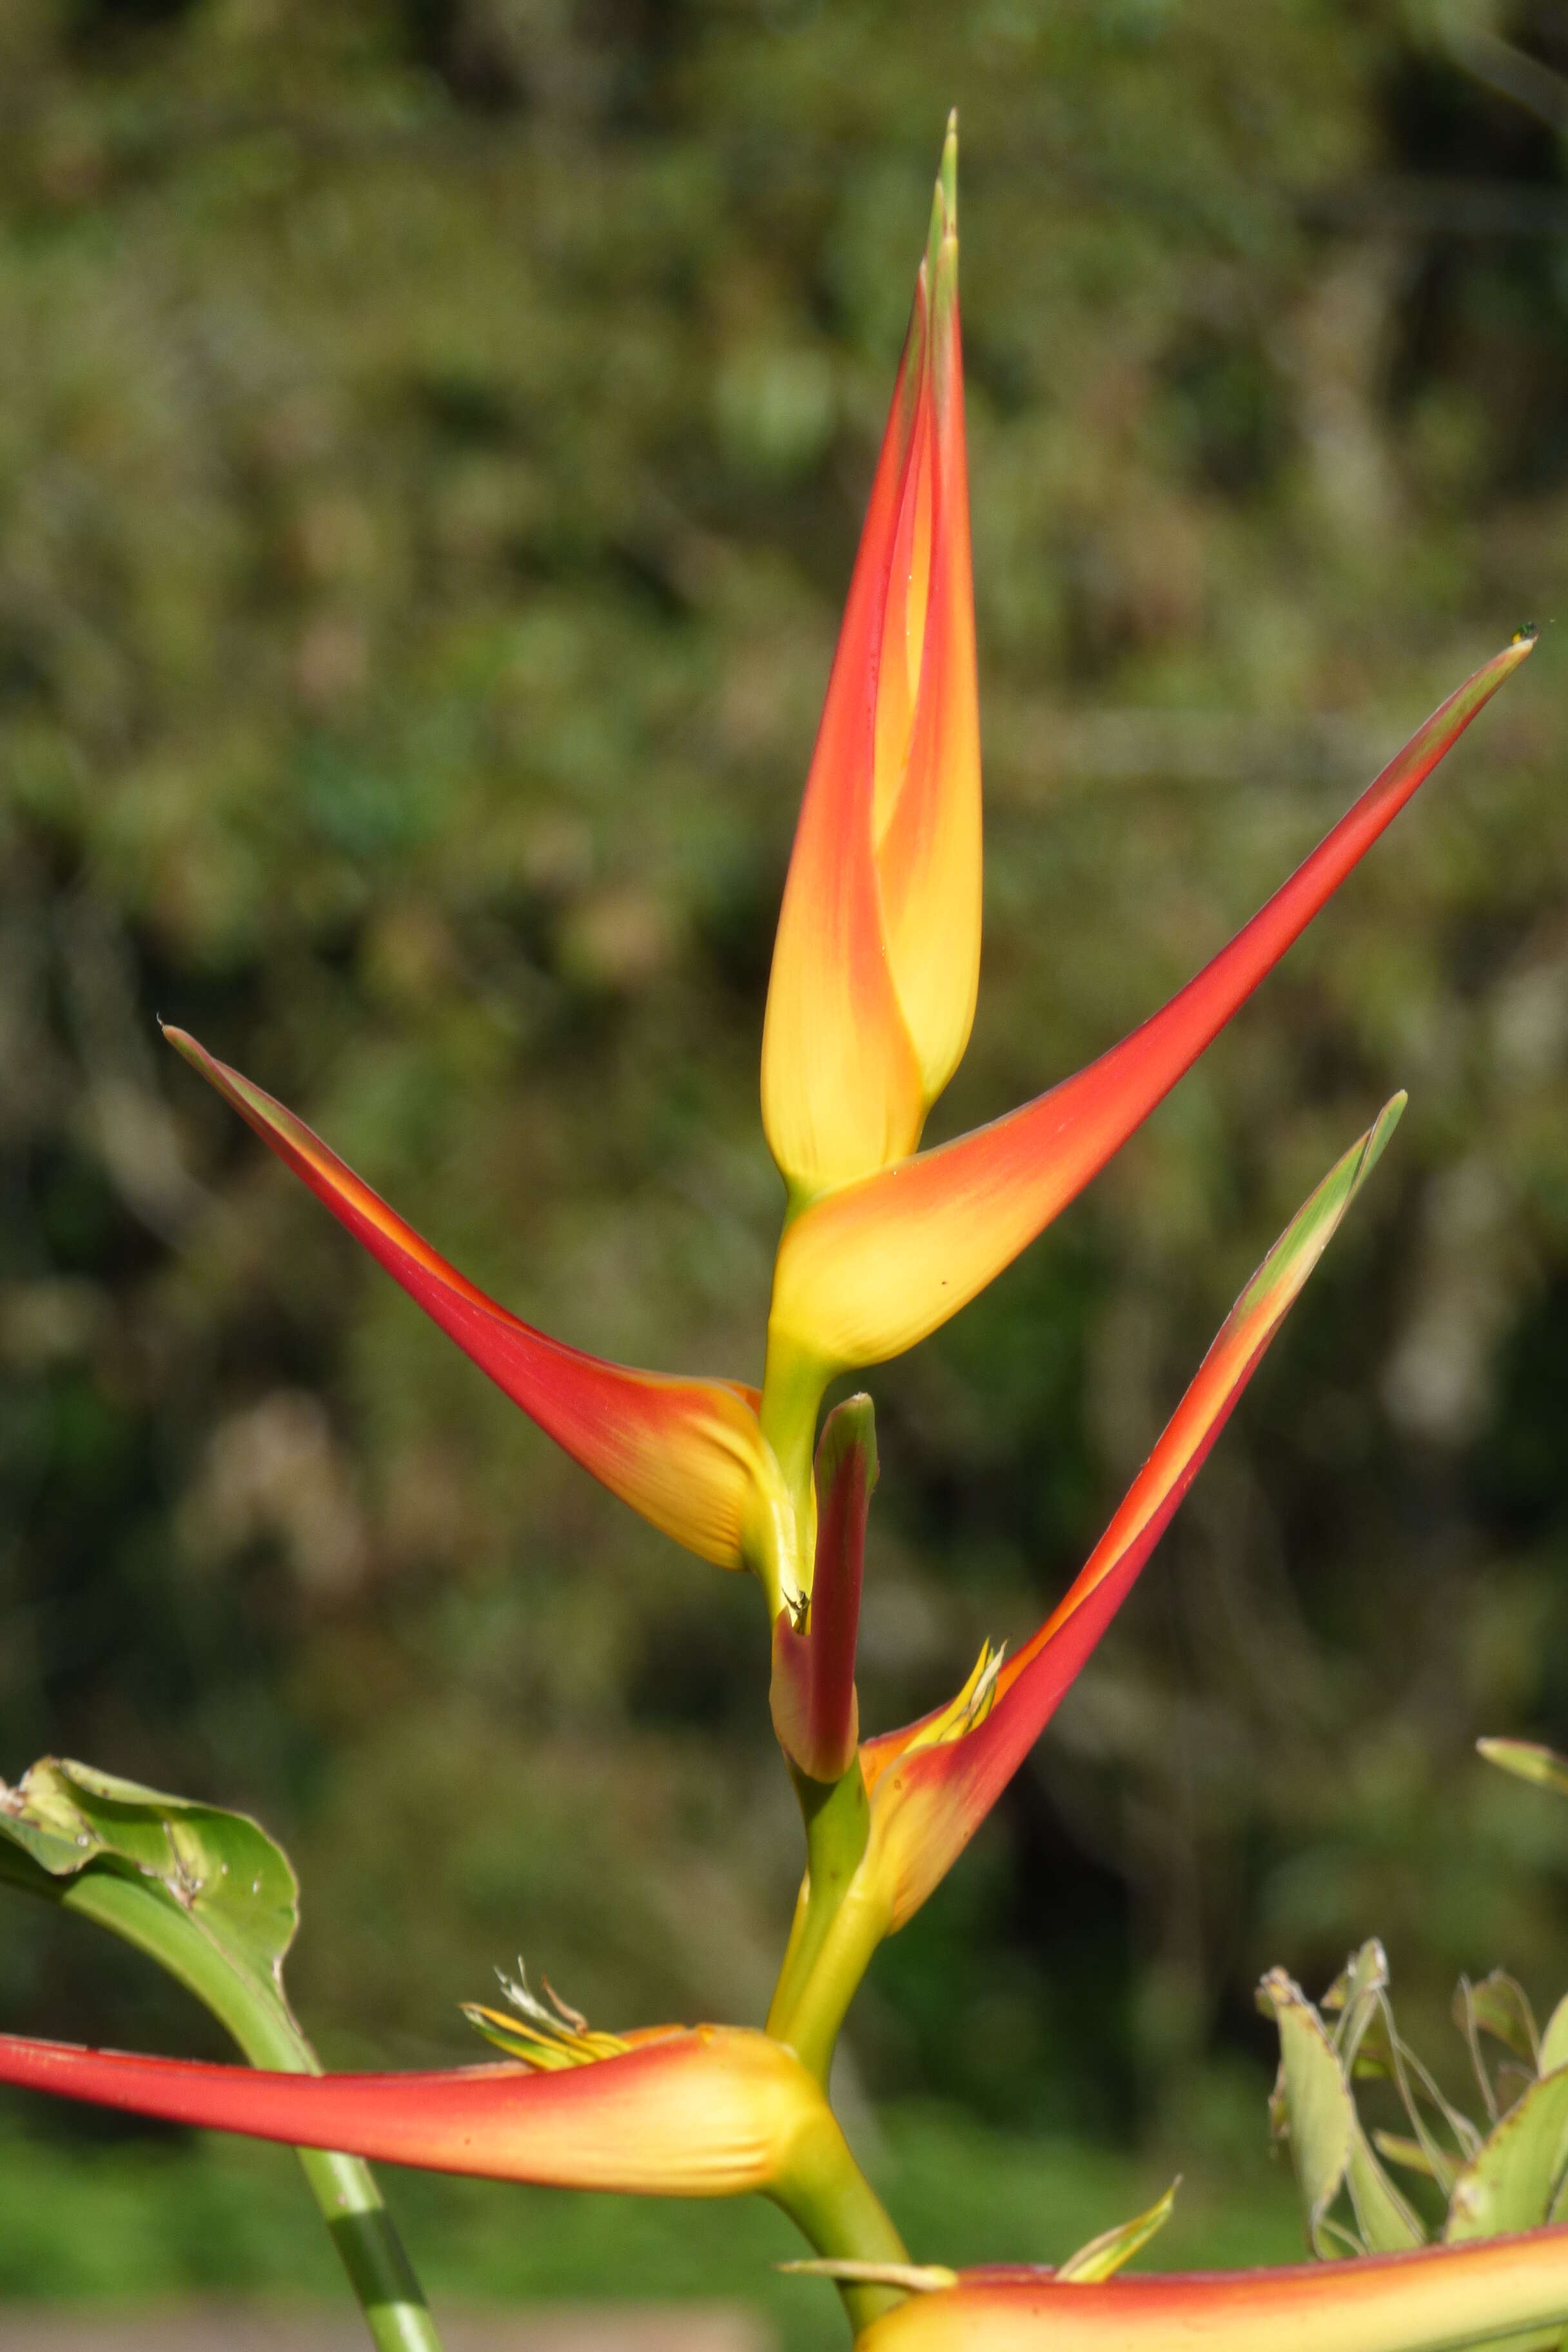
{"points": [[676, 2111], [1437, 2300], [933, 1784], [877, 956], [684, 2111], [688, 1453]]}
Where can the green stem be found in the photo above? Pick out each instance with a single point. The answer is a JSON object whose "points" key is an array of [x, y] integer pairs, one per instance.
{"points": [[343, 2186], [821, 1987], [793, 1386], [837, 1823], [835, 2207]]}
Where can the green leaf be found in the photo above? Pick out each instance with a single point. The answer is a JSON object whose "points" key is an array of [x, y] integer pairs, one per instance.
{"points": [[1313, 2108], [1361, 2038], [206, 1892], [209, 1897], [1513, 2181], [1501, 2007], [1554, 2041], [1402, 2151], [1387, 2222], [1105, 2254], [1367, 2045], [1311, 2105], [1497, 2006]]}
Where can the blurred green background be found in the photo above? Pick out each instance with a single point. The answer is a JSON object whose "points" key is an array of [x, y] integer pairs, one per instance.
{"points": [[433, 436]]}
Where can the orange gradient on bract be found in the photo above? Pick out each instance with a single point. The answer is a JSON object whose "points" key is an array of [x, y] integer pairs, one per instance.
{"points": [[929, 1795], [699, 2111], [686, 1454], [872, 1268], [927, 805], [877, 954]]}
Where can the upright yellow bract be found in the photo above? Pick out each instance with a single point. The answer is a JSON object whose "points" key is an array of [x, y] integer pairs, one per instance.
{"points": [[877, 956]]}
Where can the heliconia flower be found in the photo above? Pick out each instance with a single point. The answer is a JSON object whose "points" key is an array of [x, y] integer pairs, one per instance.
{"points": [[674, 2111], [932, 1784], [815, 1710], [874, 973], [688, 1453], [874, 1263], [1434, 2300]]}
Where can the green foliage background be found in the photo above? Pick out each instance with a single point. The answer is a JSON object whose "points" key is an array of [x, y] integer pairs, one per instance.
{"points": [[433, 435]]}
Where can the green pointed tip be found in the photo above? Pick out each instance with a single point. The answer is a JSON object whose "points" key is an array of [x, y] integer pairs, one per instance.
{"points": [[1378, 1133], [1528, 1761], [1105, 2255], [1279, 1279], [850, 1428], [943, 234]]}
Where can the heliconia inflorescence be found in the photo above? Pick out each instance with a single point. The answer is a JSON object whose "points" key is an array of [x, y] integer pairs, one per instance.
{"points": [[869, 1007]]}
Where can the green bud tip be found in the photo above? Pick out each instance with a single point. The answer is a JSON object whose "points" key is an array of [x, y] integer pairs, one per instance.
{"points": [[850, 1427], [1383, 1127], [944, 230]]}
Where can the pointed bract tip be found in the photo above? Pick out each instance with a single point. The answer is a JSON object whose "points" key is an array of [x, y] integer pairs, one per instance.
{"points": [[1528, 1761], [939, 270], [943, 229], [1112, 2248], [1378, 1133], [1526, 635]]}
